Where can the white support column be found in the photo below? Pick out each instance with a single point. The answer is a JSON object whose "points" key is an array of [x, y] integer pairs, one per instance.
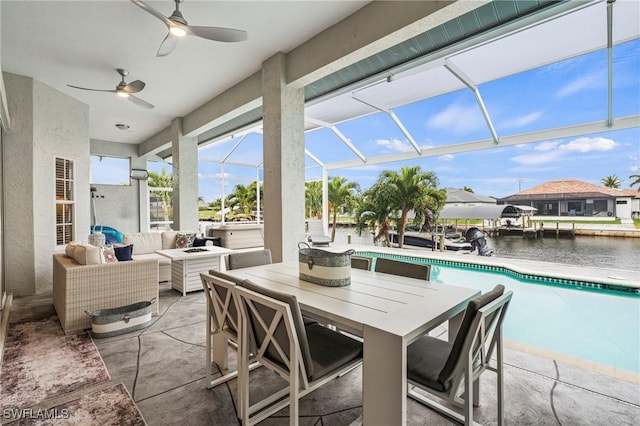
{"points": [[223, 195], [325, 199], [258, 194], [283, 154], [185, 178]]}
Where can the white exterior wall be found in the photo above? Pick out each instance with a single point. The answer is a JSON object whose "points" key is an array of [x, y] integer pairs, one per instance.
{"points": [[121, 208], [46, 124]]}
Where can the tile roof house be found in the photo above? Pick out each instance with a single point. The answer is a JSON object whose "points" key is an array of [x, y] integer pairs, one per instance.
{"points": [[573, 197]]}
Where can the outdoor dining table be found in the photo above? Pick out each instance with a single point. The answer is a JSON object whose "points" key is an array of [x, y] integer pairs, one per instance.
{"points": [[389, 312]]}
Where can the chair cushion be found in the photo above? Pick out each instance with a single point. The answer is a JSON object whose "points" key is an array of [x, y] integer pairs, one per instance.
{"points": [[405, 269], [361, 262], [298, 322], [330, 350], [470, 313], [426, 358], [249, 258]]}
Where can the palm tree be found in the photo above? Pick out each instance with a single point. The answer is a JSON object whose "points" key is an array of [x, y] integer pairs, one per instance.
{"points": [[611, 181], [340, 193], [434, 202], [313, 198], [242, 198], [373, 211], [409, 191], [636, 181], [162, 180]]}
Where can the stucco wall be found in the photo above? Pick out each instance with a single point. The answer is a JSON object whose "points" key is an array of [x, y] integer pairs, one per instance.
{"points": [[45, 124], [119, 206]]}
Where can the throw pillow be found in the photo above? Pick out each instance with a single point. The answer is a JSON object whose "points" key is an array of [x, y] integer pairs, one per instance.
{"points": [[185, 240], [108, 254], [199, 242], [124, 253]]}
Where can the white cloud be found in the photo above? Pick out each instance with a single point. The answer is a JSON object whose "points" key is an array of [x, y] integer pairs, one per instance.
{"points": [[447, 157], [546, 146], [552, 151], [532, 159], [522, 121], [587, 144], [395, 145], [458, 119], [589, 81]]}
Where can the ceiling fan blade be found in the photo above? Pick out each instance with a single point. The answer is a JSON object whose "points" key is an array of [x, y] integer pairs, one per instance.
{"points": [[168, 44], [93, 90], [140, 102], [134, 86], [227, 35], [152, 11]]}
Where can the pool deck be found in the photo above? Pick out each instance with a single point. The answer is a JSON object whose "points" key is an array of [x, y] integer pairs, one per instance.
{"points": [[531, 267]]}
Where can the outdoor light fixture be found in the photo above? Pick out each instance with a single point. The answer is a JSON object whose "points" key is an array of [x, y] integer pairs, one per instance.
{"points": [[139, 174], [177, 31], [122, 126]]}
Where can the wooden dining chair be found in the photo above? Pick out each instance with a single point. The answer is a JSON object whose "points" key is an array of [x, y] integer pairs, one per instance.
{"points": [[404, 269], [247, 258], [450, 370], [361, 262], [306, 357]]}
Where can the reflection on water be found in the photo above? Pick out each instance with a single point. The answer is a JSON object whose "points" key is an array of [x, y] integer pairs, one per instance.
{"points": [[603, 252]]}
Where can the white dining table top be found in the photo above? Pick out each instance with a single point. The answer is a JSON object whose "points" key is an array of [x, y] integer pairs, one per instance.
{"points": [[401, 306]]}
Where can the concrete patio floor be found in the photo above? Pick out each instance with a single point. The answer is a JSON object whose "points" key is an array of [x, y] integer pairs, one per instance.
{"points": [[163, 368]]}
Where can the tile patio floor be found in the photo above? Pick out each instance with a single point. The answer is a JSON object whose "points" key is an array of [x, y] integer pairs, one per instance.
{"points": [[163, 368]]}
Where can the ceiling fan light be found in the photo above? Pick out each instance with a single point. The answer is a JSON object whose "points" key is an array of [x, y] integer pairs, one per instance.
{"points": [[122, 93], [177, 31]]}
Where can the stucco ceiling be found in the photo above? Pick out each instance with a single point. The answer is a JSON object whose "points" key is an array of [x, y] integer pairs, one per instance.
{"points": [[83, 42]]}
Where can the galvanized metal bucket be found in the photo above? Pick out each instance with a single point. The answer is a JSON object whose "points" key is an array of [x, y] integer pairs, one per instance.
{"points": [[324, 267], [125, 319]]}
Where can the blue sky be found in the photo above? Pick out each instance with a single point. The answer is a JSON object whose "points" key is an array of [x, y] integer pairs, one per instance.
{"points": [[570, 92]]}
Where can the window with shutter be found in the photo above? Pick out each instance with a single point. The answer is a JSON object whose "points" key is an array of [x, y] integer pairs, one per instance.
{"points": [[65, 201]]}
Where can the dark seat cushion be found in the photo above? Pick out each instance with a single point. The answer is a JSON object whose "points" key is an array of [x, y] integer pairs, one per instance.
{"points": [[330, 350], [470, 313], [280, 333], [405, 269], [426, 358]]}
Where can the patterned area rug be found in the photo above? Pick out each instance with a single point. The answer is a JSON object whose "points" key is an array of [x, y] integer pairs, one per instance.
{"points": [[40, 363], [108, 407]]}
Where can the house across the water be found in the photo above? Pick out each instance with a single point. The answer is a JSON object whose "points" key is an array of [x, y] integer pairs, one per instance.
{"points": [[573, 197]]}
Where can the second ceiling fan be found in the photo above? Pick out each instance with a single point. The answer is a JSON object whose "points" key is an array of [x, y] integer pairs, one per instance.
{"points": [[177, 27]]}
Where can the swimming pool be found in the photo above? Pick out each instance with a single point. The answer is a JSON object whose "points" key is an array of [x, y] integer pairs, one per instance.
{"points": [[576, 318]]}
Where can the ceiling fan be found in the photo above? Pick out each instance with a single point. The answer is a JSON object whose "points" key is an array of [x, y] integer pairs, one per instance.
{"points": [[177, 27], [124, 89]]}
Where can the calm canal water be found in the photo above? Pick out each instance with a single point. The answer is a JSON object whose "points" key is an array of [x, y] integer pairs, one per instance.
{"points": [[603, 252]]}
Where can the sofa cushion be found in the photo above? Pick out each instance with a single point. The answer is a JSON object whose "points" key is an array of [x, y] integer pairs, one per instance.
{"points": [[144, 242], [123, 253], [169, 239], [84, 254], [161, 259]]}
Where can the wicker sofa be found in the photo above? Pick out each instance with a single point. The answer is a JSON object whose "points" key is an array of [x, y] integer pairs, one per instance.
{"points": [[78, 287]]}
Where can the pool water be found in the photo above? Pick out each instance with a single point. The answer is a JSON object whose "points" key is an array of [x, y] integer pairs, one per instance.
{"points": [[592, 324]]}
